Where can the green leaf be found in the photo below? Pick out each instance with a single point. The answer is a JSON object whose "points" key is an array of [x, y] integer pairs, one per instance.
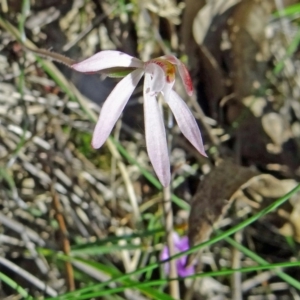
{"points": [[288, 11], [15, 286]]}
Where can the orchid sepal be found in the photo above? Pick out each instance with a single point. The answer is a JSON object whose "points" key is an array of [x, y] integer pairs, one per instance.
{"points": [[113, 107], [105, 60]]}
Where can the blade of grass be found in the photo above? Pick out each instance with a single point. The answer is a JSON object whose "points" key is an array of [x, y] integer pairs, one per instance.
{"points": [[287, 278], [111, 271], [116, 239], [158, 282], [24, 13], [15, 286], [5, 175], [21, 85], [228, 233], [289, 52], [288, 11], [52, 71], [97, 250], [210, 242]]}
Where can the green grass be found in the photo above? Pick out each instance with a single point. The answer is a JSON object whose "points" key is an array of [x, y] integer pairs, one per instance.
{"points": [[101, 289], [88, 253]]}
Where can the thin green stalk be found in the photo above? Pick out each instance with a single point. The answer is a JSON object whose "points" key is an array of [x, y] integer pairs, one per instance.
{"points": [[287, 278], [159, 282], [210, 242], [24, 13], [289, 52], [15, 286]]}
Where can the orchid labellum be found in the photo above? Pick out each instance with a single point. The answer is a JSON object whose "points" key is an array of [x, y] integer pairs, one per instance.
{"points": [[159, 78]]}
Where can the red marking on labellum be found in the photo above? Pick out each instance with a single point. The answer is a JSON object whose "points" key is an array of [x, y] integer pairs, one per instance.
{"points": [[168, 68], [183, 71]]}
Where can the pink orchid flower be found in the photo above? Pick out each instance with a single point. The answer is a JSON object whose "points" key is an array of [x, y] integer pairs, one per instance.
{"points": [[159, 78], [181, 244]]}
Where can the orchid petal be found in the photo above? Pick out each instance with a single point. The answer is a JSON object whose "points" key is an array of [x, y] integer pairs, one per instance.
{"points": [[163, 256], [183, 72], [113, 107], [181, 269], [183, 244], [176, 239], [185, 120], [164, 253], [155, 134], [157, 77], [107, 59]]}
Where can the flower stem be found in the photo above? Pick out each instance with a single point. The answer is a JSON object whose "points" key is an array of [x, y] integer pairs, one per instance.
{"points": [[168, 212], [173, 285]]}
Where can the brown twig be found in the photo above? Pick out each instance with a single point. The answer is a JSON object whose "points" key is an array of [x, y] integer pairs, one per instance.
{"points": [[63, 231], [64, 237], [50, 55]]}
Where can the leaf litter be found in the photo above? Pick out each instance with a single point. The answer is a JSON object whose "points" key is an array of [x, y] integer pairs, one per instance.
{"points": [[45, 150]]}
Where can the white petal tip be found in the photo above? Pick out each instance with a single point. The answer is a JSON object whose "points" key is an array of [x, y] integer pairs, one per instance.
{"points": [[78, 67], [96, 145], [164, 177], [201, 151], [204, 154], [165, 183]]}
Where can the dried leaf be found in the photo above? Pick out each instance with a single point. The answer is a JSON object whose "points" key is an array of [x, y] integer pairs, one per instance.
{"points": [[264, 189], [274, 125], [268, 186], [191, 9], [205, 16], [213, 198], [292, 226]]}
